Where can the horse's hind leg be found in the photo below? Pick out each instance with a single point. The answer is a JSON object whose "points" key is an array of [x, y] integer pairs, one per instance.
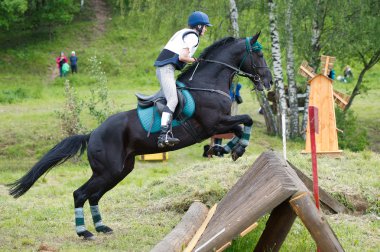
{"points": [[80, 197], [108, 182], [93, 190]]}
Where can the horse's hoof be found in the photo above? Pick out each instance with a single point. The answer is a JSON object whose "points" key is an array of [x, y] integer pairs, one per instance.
{"points": [[216, 150], [87, 235], [237, 152], [104, 229]]}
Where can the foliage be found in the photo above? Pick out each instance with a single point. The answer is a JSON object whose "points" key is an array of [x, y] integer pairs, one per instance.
{"points": [[22, 15], [70, 116], [11, 11], [356, 33], [51, 13], [354, 137], [99, 105]]}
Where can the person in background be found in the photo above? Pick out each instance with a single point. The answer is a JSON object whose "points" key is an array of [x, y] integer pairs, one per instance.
{"points": [[348, 72], [235, 97], [332, 74], [177, 52], [62, 59], [73, 62]]}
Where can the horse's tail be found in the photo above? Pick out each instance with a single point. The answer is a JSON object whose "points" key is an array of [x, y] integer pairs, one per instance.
{"points": [[60, 153]]}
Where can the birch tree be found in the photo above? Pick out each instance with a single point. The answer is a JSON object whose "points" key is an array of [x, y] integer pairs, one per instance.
{"points": [[277, 66], [292, 87], [234, 18]]}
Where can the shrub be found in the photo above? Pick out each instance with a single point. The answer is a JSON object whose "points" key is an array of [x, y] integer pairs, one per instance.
{"points": [[99, 105], [353, 137], [70, 120]]}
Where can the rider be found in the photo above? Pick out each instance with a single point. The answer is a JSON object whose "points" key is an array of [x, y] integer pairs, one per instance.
{"points": [[177, 52]]}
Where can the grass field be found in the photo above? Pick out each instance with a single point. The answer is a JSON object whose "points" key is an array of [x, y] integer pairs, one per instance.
{"points": [[145, 206]]}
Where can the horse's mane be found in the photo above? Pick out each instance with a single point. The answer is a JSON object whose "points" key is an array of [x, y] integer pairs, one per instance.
{"points": [[220, 43]]}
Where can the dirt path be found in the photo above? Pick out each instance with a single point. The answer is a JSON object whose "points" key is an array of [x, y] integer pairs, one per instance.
{"points": [[101, 12]]}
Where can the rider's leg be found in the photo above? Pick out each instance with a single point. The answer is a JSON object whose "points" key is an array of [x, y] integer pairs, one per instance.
{"points": [[166, 77]]}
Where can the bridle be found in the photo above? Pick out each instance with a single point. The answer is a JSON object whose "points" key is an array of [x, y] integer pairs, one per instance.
{"points": [[256, 47], [256, 77]]}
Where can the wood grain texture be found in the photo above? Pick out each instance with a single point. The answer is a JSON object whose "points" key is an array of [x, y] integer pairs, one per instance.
{"points": [[177, 239]]}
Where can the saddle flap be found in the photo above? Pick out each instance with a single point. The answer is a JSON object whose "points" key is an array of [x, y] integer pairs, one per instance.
{"points": [[145, 101], [149, 111], [158, 100]]}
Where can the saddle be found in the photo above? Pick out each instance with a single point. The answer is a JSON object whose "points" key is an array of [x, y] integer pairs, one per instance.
{"points": [[150, 108], [158, 100]]}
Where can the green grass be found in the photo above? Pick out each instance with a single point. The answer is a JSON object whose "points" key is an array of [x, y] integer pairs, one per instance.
{"points": [[145, 206]]}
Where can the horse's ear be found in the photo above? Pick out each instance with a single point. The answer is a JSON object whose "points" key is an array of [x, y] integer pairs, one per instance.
{"points": [[255, 37]]}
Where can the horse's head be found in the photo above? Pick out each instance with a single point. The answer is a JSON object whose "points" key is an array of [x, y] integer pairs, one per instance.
{"points": [[253, 63]]}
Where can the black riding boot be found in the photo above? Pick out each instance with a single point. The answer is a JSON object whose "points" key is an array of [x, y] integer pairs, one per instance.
{"points": [[166, 136]]}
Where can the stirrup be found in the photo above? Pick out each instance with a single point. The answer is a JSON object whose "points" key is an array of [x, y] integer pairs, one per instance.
{"points": [[166, 140]]}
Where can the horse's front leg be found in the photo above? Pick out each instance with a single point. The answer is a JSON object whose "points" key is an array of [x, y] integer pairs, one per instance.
{"points": [[236, 146]]}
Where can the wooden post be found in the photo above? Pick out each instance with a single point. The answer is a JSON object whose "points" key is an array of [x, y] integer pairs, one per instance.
{"points": [[177, 239], [313, 122], [326, 70], [278, 226], [325, 198], [200, 231], [318, 227]]}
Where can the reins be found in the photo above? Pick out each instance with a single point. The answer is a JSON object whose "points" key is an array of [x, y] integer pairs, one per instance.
{"points": [[249, 49], [207, 90]]}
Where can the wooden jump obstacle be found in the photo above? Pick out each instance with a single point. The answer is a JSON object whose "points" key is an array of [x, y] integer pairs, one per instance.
{"points": [[154, 157], [269, 186], [322, 97]]}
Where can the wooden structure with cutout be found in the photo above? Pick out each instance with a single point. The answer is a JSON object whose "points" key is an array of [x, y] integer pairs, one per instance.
{"points": [[322, 97], [154, 157], [269, 186]]}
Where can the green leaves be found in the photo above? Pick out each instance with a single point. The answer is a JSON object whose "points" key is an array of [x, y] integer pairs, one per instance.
{"points": [[33, 14], [11, 11]]}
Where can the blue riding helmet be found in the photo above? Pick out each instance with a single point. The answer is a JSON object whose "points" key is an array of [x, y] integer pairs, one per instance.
{"points": [[198, 18]]}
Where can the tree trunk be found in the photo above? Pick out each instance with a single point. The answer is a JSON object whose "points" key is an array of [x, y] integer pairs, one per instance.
{"points": [[292, 87], [374, 60], [270, 120], [277, 68], [317, 29], [234, 18]]}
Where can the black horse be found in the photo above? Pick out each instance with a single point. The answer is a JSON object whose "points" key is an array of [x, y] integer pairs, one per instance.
{"points": [[112, 147]]}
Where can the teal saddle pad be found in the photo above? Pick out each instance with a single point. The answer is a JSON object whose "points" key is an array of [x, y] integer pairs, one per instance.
{"points": [[150, 119]]}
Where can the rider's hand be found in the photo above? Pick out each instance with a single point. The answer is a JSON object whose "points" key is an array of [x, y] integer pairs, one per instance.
{"points": [[197, 60]]}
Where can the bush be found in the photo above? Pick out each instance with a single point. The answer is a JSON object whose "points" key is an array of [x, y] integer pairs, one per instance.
{"points": [[70, 116], [353, 137]]}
